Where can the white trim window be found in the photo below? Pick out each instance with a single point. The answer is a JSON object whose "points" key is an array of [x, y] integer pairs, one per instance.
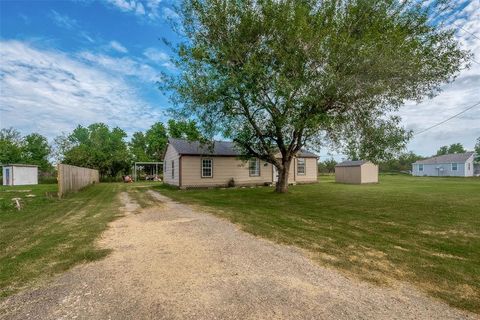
{"points": [[468, 166], [454, 166], [301, 166], [173, 169], [207, 168], [420, 167], [254, 167]]}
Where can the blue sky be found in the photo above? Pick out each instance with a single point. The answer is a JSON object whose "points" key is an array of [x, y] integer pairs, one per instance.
{"points": [[64, 63]]}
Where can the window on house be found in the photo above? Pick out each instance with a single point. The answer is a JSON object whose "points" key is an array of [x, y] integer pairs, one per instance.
{"points": [[454, 166], [207, 168], [420, 167], [301, 166], [173, 169], [468, 166], [254, 167]]}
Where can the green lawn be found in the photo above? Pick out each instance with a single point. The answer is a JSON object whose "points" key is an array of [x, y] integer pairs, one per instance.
{"points": [[50, 235], [422, 230]]}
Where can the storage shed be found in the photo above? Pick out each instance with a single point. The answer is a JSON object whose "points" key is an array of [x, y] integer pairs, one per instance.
{"points": [[356, 172], [19, 174]]}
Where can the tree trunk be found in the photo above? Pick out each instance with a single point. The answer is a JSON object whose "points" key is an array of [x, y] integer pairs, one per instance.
{"points": [[282, 183]]}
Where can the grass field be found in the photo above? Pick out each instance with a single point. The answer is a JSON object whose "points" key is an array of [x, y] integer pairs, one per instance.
{"points": [[50, 235], [417, 229]]}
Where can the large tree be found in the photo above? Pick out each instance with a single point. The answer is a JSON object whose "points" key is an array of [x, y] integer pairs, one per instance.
{"points": [[96, 146], [36, 150], [138, 147], [10, 146], [156, 138], [184, 129], [30, 149], [279, 75]]}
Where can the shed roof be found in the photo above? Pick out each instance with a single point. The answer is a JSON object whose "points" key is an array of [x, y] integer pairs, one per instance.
{"points": [[447, 158], [17, 165], [219, 148], [355, 163]]}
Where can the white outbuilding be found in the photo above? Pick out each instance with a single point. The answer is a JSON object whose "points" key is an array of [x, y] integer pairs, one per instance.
{"points": [[19, 174]]}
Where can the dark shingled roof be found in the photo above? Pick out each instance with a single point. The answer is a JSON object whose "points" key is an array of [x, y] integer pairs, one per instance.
{"points": [[219, 148], [447, 158], [355, 163]]}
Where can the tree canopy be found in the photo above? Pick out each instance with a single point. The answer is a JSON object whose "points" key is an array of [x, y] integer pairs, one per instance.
{"points": [[10, 146], [453, 148], [184, 129], [276, 76], [36, 150], [31, 149], [149, 146], [97, 146]]}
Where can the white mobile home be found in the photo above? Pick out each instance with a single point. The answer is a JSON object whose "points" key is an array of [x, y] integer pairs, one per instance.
{"points": [[19, 174], [448, 165]]}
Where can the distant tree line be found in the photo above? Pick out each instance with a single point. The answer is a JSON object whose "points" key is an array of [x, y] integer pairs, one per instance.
{"points": [[402, 162], [107, 149], [95, 146]]}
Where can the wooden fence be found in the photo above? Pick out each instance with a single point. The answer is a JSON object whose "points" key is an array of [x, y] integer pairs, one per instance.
{"points": [[72, 178]]}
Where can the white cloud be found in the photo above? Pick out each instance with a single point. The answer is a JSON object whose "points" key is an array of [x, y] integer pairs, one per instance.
{"points": [[49, 92], [156, 55], [63, 20], [118, 46], [123, 66], [169, 14], [145, 8], [455, 97], [159, 57]]}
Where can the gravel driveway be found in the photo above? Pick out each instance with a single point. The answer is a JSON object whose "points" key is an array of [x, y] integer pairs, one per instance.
{"points": [[173, 262]]}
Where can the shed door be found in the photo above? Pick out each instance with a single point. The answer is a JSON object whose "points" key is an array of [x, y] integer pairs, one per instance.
{"points": [[7, 176]]}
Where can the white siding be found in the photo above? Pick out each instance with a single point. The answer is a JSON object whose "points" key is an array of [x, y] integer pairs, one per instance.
{"points": [[444, 170], [20, 176], [469, 167]]}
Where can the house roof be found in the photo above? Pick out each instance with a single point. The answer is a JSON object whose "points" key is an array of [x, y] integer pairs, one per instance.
{"points": [[447, 158], [219, 148], [355, 163], [17, 165]]}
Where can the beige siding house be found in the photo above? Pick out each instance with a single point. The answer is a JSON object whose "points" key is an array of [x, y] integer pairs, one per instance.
{"points": [[193, 165], [356, 172]]}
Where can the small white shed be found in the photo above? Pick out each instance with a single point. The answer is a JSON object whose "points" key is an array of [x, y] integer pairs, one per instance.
{"points": [[19, 174]]}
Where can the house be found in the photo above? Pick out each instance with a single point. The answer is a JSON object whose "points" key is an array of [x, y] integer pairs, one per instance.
{"points": [[448, 165], [19, 174], [356, 172], [192, 164]]}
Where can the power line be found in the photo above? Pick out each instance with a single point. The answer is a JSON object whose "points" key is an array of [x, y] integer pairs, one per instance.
{"points": [[471, 33], [442, 122]]}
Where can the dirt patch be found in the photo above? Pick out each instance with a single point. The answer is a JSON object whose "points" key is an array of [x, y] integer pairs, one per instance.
{"points": [[174, 262]]}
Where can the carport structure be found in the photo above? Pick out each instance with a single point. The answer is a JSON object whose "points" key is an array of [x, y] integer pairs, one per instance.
{"points": [[152, 167]]}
